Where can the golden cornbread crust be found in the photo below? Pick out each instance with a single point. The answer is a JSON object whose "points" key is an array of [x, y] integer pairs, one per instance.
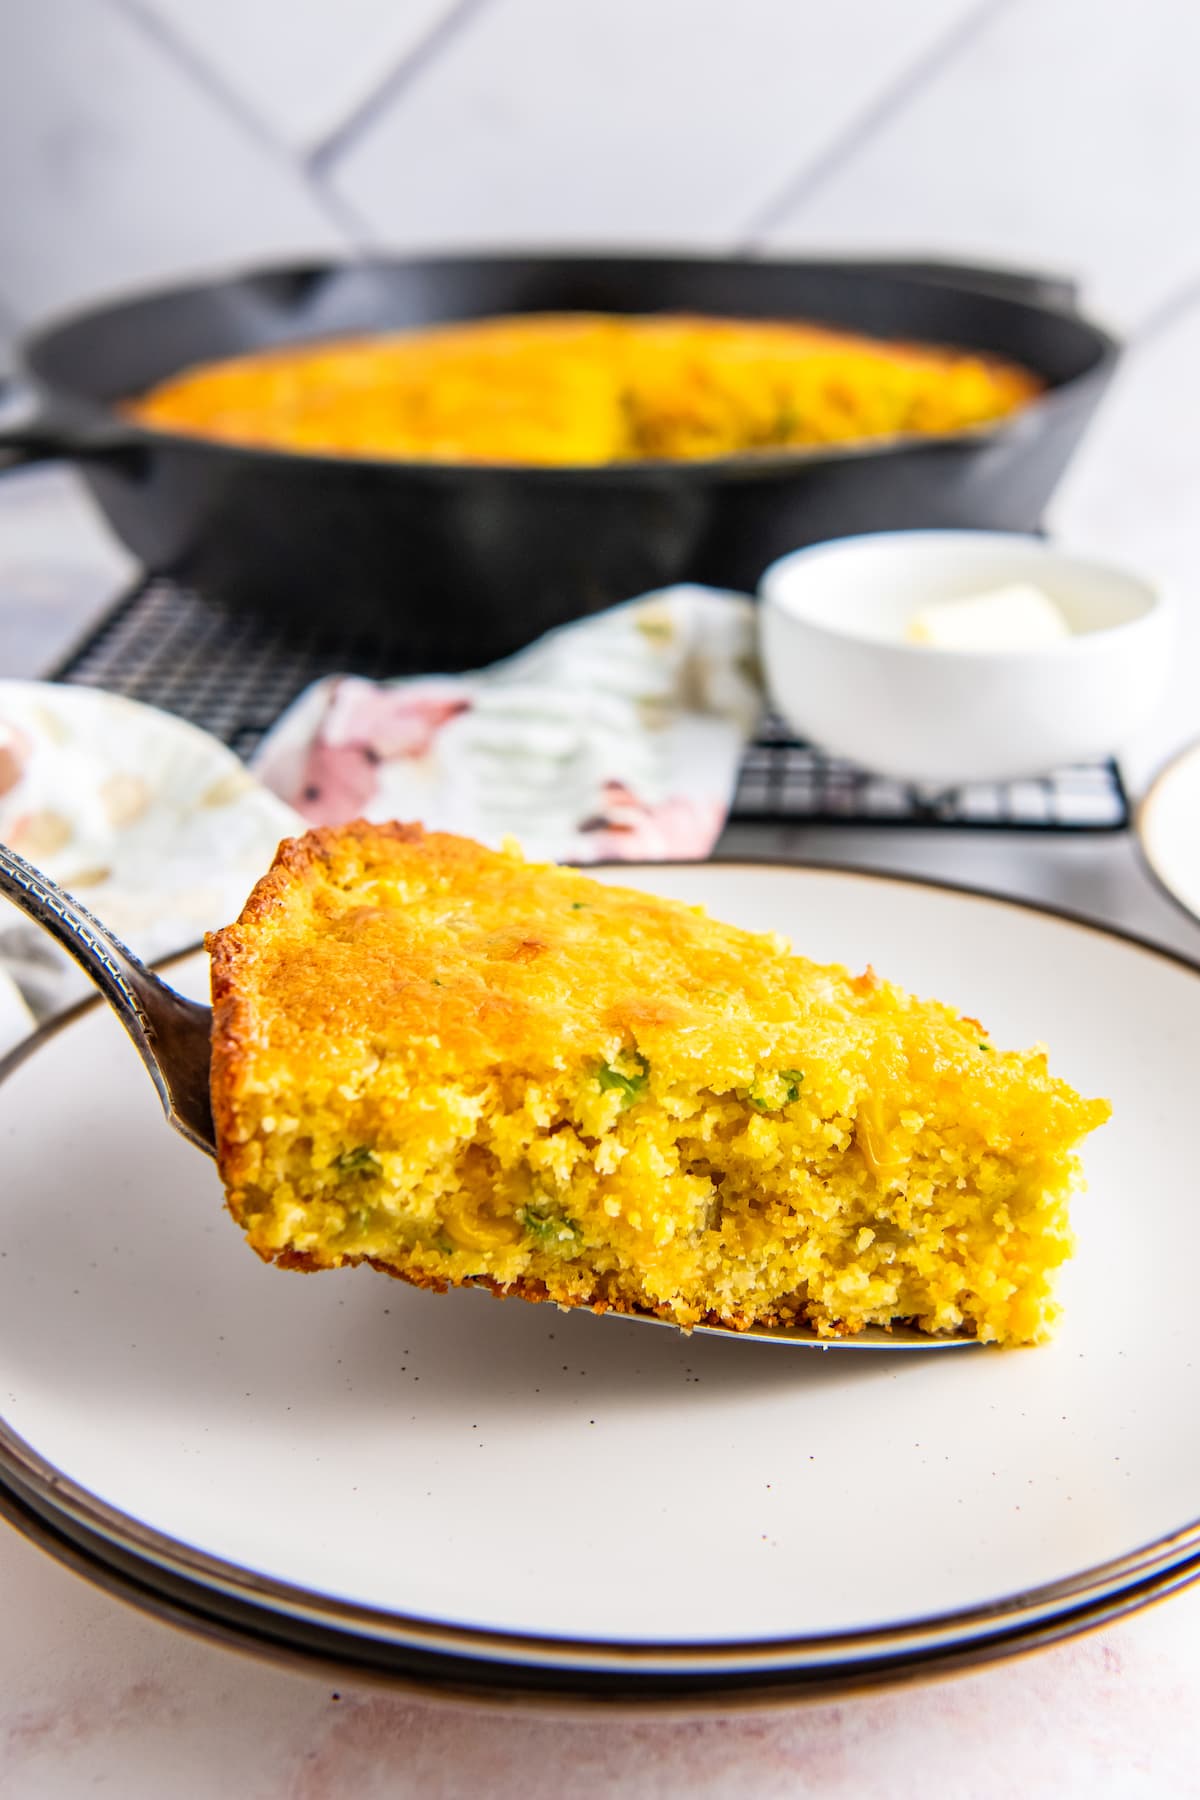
{"points": [[463, 1068], [587, 388]]}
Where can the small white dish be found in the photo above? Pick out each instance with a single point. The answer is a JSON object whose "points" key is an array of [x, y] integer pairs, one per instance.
{"points": [[839, 670], [1167, 825]]}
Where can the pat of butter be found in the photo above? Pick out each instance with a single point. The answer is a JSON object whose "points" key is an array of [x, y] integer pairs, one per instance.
{"points": [[1019, 617]]}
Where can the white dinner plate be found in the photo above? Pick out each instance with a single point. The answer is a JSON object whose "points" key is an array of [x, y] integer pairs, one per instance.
{"points": [[453, 1490], [1168, 828], [156, 825]]}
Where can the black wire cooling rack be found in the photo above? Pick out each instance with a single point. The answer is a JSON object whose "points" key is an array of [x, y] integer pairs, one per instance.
{"points": [[234, 675]]}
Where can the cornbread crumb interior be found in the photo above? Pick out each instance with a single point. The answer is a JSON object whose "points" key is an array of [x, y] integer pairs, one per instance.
{"points": [[462, 1067]]}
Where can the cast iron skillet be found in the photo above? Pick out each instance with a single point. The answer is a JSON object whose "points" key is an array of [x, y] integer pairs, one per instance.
{"points": [[453, 565]]}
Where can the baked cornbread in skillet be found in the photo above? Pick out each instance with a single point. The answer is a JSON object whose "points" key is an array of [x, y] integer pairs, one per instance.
{"points": [[466, 1068], [587, 388]]}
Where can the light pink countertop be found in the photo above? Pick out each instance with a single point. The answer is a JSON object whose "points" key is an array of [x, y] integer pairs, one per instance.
{"points": [[95, 1697]]}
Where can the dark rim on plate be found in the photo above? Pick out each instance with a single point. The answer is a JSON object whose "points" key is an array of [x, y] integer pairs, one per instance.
{"points": [[311, 1650], [193, 1588], [1141, 814]]}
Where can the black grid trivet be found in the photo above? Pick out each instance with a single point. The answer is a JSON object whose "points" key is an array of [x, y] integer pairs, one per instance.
{"points": [[234, 675]]}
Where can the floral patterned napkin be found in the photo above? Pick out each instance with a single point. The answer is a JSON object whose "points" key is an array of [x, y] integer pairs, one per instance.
{"points": [[617, 737]]}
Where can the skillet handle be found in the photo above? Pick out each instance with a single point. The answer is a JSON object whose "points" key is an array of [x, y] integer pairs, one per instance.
{"points": [[35, 429]]}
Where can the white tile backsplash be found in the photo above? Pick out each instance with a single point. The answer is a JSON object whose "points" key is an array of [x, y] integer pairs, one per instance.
{"points": [[117, 169], [625, 120], [143, 138], [302, 65], [1065, 133], [1131, 494]]}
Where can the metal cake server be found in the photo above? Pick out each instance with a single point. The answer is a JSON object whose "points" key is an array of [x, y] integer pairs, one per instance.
{"points": [[173, 1038], [172, 1035]]}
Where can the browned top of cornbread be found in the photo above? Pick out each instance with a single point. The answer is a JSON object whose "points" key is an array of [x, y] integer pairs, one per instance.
{"points": [[375, 942], [463, 1067], [580, 388]]}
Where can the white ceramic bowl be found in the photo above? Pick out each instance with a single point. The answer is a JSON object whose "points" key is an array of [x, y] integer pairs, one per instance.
{"points": [[839, 671]]}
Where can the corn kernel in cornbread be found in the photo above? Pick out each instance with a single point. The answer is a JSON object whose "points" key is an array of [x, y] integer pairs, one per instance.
{"points": [[463, 1067]]}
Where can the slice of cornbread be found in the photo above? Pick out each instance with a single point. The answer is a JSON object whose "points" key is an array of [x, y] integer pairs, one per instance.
{"points": [[462, 1067]]}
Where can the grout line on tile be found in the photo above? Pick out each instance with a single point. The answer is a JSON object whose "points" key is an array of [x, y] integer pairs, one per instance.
{"points": [[201, 71], [357, 230], [1166, 313], [322, 155], [340, 215], [911, 81]]}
